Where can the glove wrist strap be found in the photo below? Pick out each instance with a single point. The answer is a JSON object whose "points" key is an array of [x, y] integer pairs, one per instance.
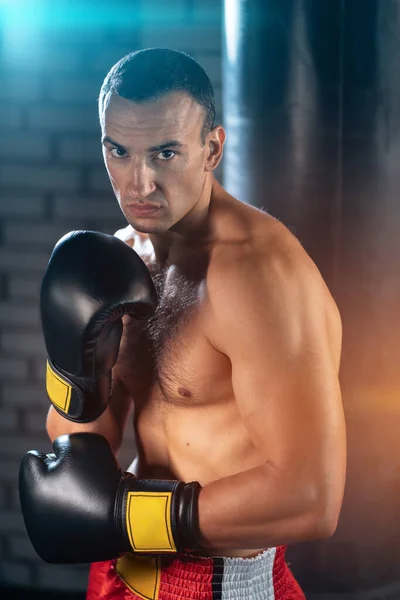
{"points": [[160, 517], [71, 396]]}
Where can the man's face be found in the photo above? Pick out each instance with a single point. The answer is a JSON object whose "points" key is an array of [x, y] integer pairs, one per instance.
{"points": [[155, 158]]}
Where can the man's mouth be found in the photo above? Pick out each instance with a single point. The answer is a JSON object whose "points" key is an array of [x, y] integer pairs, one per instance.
{"points": [[142, 210]]}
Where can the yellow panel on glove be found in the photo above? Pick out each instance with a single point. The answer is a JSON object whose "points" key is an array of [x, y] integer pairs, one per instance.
{"points": [[148, 521], [58, 390]]}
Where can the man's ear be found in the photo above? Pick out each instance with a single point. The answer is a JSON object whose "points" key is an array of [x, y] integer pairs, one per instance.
{"points": [[215, 141]]}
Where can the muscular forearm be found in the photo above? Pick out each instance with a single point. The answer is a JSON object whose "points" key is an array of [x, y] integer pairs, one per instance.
{"points": [[257, 509], [106, 425], [111, 423]]}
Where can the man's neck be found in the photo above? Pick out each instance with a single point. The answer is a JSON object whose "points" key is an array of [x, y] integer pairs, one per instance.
{"points": [[194, 228]]}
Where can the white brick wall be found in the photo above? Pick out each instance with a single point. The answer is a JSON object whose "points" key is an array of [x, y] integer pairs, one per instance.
{"points": [[52, 180]]}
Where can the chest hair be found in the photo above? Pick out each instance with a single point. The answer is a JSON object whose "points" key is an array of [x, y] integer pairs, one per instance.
{"points": [[178, 299]]}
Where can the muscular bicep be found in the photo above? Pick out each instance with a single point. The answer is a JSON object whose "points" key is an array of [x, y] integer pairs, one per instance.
{"points": [[277, 325]]}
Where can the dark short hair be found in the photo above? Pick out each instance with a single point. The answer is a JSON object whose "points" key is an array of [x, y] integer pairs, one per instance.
{"points": [[150, 74]]}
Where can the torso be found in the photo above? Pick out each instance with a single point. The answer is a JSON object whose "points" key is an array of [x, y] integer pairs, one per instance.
{"points": [[186, 420]]}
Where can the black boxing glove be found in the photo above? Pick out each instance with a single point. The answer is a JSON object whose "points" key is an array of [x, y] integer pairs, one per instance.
{"points": [[79, 507], [91, 281]]}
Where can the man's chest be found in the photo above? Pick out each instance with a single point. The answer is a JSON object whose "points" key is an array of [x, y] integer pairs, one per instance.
{"points": [[170, 355]]}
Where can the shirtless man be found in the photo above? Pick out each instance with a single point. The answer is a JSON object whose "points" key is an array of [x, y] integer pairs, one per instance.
{"points": [[234, 380]]}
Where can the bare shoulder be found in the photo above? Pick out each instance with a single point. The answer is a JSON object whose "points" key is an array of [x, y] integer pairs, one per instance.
{"points": [[140, 242], [265, 251], [269, 272], [127, 235]]}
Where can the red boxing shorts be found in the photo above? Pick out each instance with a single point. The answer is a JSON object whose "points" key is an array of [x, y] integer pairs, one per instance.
{"points": [[187, 577]]}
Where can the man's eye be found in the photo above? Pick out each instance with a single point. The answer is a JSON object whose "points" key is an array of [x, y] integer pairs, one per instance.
{"points": [[117, 152], [166, 155]]}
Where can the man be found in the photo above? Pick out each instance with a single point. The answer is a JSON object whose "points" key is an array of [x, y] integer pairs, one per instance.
{"points": [[238, 388]]}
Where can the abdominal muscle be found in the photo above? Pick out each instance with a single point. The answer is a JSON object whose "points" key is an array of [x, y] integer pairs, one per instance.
{"points": [[187, 423], [193, 443]]}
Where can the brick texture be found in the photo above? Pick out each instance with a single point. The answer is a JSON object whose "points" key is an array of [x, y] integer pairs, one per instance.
{"points": [[23, 204], [52, 180], [37, 177], [21, 145]]}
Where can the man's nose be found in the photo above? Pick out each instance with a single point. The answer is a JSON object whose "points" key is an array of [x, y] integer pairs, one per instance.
{"points": [[141, 182]]}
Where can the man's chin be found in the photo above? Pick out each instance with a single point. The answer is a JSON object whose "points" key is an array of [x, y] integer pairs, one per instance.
{"points": [[149, 228]]}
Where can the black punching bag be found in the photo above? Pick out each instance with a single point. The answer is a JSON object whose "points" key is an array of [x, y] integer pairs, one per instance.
{"points": [[312, 113]]}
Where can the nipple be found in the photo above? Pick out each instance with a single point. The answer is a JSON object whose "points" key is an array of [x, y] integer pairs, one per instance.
{"points": [[184, 392]]}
